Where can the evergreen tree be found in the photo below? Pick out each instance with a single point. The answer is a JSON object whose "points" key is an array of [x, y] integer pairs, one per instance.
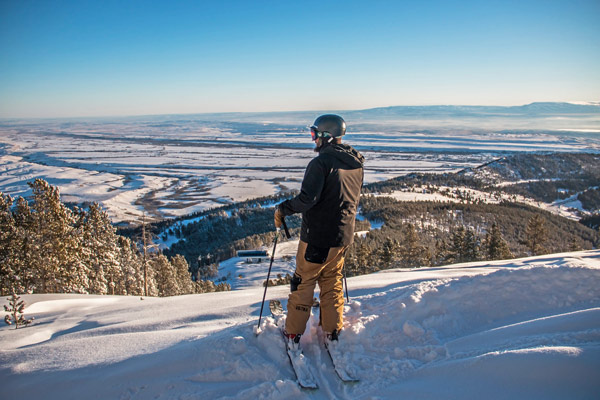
{"points": [[15, 311], [456, 249], [413, 253], [10, 268], [441, 252], [472, 246], [495, 246], [536, 235], [131, 267], [100, 252], [54, 243], [363, 258], [465, 246], [389, 253], [183, 276], [165, 276], [147, 247]]}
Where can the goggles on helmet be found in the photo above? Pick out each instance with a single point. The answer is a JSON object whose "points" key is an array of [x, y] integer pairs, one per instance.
{"points": [[315, 133]]}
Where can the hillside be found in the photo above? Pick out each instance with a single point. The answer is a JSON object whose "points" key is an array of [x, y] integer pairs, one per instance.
{"points": [[517, 329], [568, 179]]}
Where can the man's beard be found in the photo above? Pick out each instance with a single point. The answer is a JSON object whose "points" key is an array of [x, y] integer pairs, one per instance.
{"points": [[320, 143]]}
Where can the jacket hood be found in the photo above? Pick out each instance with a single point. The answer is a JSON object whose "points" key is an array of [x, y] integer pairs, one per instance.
{"points": [[345, 153]]}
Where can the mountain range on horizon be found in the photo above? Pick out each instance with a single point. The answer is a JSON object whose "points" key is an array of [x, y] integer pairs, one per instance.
{"points": [[535, 109]]}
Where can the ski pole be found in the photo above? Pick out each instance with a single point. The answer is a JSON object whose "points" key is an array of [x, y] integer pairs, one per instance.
{"points": [[287, 235], [346, 284], [268, 276]]}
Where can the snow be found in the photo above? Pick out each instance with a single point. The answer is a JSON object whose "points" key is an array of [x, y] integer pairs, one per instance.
{"points": [[241, 275], [518, 329], [570, 208]]}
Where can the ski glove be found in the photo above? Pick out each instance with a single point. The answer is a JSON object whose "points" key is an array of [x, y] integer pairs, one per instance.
{"points": [[278, 218]]}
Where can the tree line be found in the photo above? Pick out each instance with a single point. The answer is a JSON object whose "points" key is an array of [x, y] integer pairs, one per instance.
{"points": [[46, 247]]}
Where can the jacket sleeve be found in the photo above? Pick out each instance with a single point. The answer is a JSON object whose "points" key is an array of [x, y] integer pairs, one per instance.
{"points": [[310, 192]]}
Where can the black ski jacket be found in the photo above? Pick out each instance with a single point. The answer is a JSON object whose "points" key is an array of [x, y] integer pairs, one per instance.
{"points": [[329, 197]]}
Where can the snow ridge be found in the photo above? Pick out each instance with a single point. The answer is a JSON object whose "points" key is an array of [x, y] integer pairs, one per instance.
{"points": [[519, 329]]}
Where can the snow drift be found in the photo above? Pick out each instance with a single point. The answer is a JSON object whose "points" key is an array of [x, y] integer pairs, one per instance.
{"points": [[518, 329]]}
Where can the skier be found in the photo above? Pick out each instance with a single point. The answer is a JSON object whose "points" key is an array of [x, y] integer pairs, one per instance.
{"points": [[328, 201]]}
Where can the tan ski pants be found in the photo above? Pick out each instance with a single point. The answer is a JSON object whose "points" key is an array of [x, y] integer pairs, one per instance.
{"points": [[329, 277]]}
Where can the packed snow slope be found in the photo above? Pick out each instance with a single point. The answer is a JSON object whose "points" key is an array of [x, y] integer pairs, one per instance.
{"points": [[518, 329]]}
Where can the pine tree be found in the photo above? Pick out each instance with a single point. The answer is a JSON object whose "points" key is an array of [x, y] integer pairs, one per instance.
{"points": [[15, 309], [465, 246], [441, 252], [24, 261], [495, 246], [536, 235], [363, 258], [389, 253], [10, 267], [165, 276], [455, 251], [472, 246], [54, 242], [100, 252], [183, 276], [147, 246], [413, 253], [131, 267]]}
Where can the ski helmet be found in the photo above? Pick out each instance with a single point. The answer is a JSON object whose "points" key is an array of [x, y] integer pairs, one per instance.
{"points": [[328, 125]]}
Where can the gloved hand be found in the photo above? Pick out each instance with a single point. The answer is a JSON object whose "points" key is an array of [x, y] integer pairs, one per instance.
{"points": [[278, 218]]}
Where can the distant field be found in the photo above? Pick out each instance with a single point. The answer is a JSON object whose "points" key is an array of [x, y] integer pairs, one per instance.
{"points": [[175, 165]]}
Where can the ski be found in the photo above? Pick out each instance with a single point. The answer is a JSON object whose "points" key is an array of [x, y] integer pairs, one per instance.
{"points": [[298, 360], [337, 361]]}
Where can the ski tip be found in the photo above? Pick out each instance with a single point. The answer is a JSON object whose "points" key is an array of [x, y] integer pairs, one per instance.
{"points": [[308, 386]]}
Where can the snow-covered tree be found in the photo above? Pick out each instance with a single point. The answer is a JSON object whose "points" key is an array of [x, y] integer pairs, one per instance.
{"points": [[183, 276], [147, 246], [23, 248], [15, 309], [165, 276], [100, 252], [9, 244], [131, 267], [54, 242]]}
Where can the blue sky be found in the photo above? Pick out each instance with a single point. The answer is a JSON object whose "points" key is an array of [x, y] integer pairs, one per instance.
{"points": [[87, 58]]}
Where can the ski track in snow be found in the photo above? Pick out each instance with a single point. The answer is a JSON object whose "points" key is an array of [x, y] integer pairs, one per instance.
{"points": [[519, 329]]}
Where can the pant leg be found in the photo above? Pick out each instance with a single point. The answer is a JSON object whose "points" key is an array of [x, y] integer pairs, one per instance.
{"points": [[332, 291], [300, 301]]}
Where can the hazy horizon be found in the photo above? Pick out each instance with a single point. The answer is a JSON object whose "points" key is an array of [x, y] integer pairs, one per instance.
{"points": [[581, 103]]}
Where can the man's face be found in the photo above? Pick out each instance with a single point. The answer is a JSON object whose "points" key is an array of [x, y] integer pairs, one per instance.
{"points": [[318, 143]]}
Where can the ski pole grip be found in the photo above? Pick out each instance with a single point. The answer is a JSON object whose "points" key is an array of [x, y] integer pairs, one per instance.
{"points": [[285, 228]]}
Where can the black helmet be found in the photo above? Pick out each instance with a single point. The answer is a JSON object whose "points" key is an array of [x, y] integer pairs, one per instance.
{"points": [[328, 125]]}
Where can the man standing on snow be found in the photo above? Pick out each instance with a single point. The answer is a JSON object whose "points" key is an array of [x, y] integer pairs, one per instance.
{"points": [[328, 201]]}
